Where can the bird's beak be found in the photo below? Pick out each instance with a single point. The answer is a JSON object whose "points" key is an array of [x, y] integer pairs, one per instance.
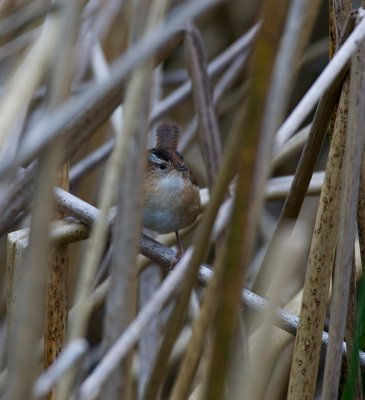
{"points": [[182, 167]]}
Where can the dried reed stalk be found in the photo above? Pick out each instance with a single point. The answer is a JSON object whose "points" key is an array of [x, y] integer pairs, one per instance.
{"points": [[197, 316], [347, 221], [57, 285], [23, 362], [251, 180], [319, 269], [122, 297]]}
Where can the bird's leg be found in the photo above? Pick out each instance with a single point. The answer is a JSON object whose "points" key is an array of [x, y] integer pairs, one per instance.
{"points": [[180, 250], [179, 253]]}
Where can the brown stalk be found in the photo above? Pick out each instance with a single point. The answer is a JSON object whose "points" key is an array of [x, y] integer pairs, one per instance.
{"points": [[122, 298], [308, 159], [150, 280], [263, 344], [29, 322], [125, 342], [100, 230], [201, 368], [90, 34], [298, 28], [305, 168], [331, 31], [202, 236], [347, 222], [150, 277], [241, 45], [20, 89], [201, 243], [207, 119], [350, 332], [57, 290], [280, 339], [61, 232], [200, 330], [225, 175], [228, 78], [121, 348], [291, 147], [339, 10], [361, 213], [17, 21], [248, 201], [283, 319], [319, 269], [338, 18], [95, 158], [18, 44]]}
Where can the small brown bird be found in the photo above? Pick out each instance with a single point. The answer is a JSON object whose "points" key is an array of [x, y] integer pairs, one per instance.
{"points": [[172, 199]]}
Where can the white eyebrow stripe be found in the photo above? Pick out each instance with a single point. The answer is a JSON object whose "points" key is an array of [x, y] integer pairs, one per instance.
{"points": [[154, 159]]}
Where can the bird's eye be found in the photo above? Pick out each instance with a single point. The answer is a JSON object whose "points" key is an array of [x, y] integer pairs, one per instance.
{"points": [[163, 166]]}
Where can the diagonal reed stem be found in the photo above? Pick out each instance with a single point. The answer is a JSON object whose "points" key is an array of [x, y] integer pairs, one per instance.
{"points": [[347, 222]]}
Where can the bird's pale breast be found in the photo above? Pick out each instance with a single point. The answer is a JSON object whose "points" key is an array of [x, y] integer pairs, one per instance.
{"points": [[171, 203]]}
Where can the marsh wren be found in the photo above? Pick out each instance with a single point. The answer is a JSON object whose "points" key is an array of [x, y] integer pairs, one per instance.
{"points": [[172, 199]]}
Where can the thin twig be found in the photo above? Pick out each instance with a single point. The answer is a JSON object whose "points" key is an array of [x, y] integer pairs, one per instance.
{"points": [[284, 319]]}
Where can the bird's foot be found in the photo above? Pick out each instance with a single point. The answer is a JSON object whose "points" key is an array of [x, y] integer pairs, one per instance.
{"points": [[179, 253]]}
